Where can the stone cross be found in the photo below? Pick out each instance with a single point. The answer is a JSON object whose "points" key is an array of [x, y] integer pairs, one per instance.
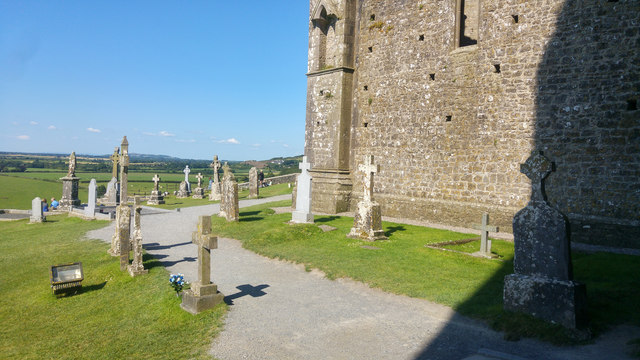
{"points": [[156, 180], [206, 242], [114, 159], [485, 243], [199, 177], [537, 168], [215, 165], [302, 212], [137, 267], [124, 171], [369, 168], [186, 172], [72, 165]]}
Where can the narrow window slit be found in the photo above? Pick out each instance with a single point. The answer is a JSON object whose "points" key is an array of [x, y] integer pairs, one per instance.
{"points": [[497, 68], [516, 18], [432, 76], [366, 88], [632, 104], [447, 118], [421, 38], [365, 124], [370, 48], [372, 17]]}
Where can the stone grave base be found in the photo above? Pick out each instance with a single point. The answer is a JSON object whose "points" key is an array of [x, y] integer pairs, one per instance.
{"points": [[301, 217], [197, 304], [135, 272], [155, 199], [214, 197], [367, 222], [182, 194], [561, 302], [198, 193]]}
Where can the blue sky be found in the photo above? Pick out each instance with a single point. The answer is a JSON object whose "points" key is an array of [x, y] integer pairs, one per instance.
{"points": [[182, 78]]}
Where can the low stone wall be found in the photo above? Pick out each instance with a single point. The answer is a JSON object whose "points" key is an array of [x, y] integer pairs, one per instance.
{"points": [[275, 180]]}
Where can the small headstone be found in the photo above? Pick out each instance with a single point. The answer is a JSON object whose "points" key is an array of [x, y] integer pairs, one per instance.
{"points": [[203, 294], [198, 192], [485, 242], [326, 228], [183, 192], [229, 208], [186, 172], [367, 221], [156, 197], [137, 267], [253, 183], [110, 197], [542, 284], [70, 186], [216, 190], [37, 216], [302, 213], [91, 203]]}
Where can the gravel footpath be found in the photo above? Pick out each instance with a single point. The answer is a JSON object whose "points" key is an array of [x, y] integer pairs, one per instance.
{"points": [[280, 311]]}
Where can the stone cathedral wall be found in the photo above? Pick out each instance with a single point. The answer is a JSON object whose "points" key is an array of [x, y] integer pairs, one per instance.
{"points": [[450, 125]]}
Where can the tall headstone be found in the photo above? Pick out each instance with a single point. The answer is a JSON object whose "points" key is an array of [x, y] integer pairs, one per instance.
{"points": [[302, 213], [114, 159], [90, 210], [229, 208], [215, 188], [186, 172], [70, 186], [137, 267], [367, 221], [542, 284], [253, 183], [122, 237], [124, 171], [203, 294], [198, 192], [37, 216], [156, 197], [294, 193]]}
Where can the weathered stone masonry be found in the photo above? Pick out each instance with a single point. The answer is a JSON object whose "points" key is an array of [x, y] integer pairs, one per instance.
{"points": [[450, 96]]}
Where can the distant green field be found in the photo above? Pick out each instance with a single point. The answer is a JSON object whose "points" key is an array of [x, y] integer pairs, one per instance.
{"points": [[17, 193]]}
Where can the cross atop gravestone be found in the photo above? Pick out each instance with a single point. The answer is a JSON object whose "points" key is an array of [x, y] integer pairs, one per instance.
{"points": [[485, 243], [156, 180], [199, 177], [368, 168], [215, 165], [114, 159], [226, 169], [206, 242], [537, 168], [304, 165]]}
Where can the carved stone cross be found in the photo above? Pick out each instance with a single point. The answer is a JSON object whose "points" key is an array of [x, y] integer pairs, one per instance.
{"points": [[537, 168], [304, 165], [226, 168], [215, 165], [114, 158], [156, 180], [199, 177], [206, 242], [485, 243], [369, 168]]}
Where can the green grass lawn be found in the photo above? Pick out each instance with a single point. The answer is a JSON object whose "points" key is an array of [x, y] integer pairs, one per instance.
{"points": [[113, 316], [17, 192], [403, 265]]}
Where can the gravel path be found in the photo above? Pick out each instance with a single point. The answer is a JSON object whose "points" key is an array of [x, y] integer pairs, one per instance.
{"points": [[280, 311]]}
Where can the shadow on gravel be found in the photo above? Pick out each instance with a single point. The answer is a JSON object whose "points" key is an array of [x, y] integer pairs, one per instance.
{"points": [[156, 246], [246, 289], [151, 261]]}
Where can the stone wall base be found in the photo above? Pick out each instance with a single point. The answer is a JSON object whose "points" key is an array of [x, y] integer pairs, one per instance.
{"points": [[197, 304], [331, 191], [560, 302]]}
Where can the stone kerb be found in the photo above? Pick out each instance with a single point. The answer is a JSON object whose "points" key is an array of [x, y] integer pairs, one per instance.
{"points": [[542, 284]]}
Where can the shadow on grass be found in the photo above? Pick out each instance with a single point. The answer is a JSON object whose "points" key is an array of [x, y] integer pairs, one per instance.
{"points": [[392, 229], [249, 213], [246, 289], [94, 287], [251, 218], [323, 219]]}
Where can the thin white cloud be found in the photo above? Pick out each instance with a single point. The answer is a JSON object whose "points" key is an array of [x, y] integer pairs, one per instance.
{"points": [[285, 145], [23, 137], [165, 133], [256, 145], [51, 127], [33, 123], [93, 130], [229, 141], [148, 133]]}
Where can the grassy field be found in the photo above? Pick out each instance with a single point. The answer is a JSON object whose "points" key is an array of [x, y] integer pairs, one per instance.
{"points": [[403, 265], [18, 189], [114, 316]]}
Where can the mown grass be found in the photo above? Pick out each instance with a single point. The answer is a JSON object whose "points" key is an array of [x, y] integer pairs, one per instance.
{"points": [[17, 193], [114, 316], [403, 265]]}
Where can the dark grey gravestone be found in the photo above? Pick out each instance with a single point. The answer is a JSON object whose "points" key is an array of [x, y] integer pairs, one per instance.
{"points": [[543, 284]]}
